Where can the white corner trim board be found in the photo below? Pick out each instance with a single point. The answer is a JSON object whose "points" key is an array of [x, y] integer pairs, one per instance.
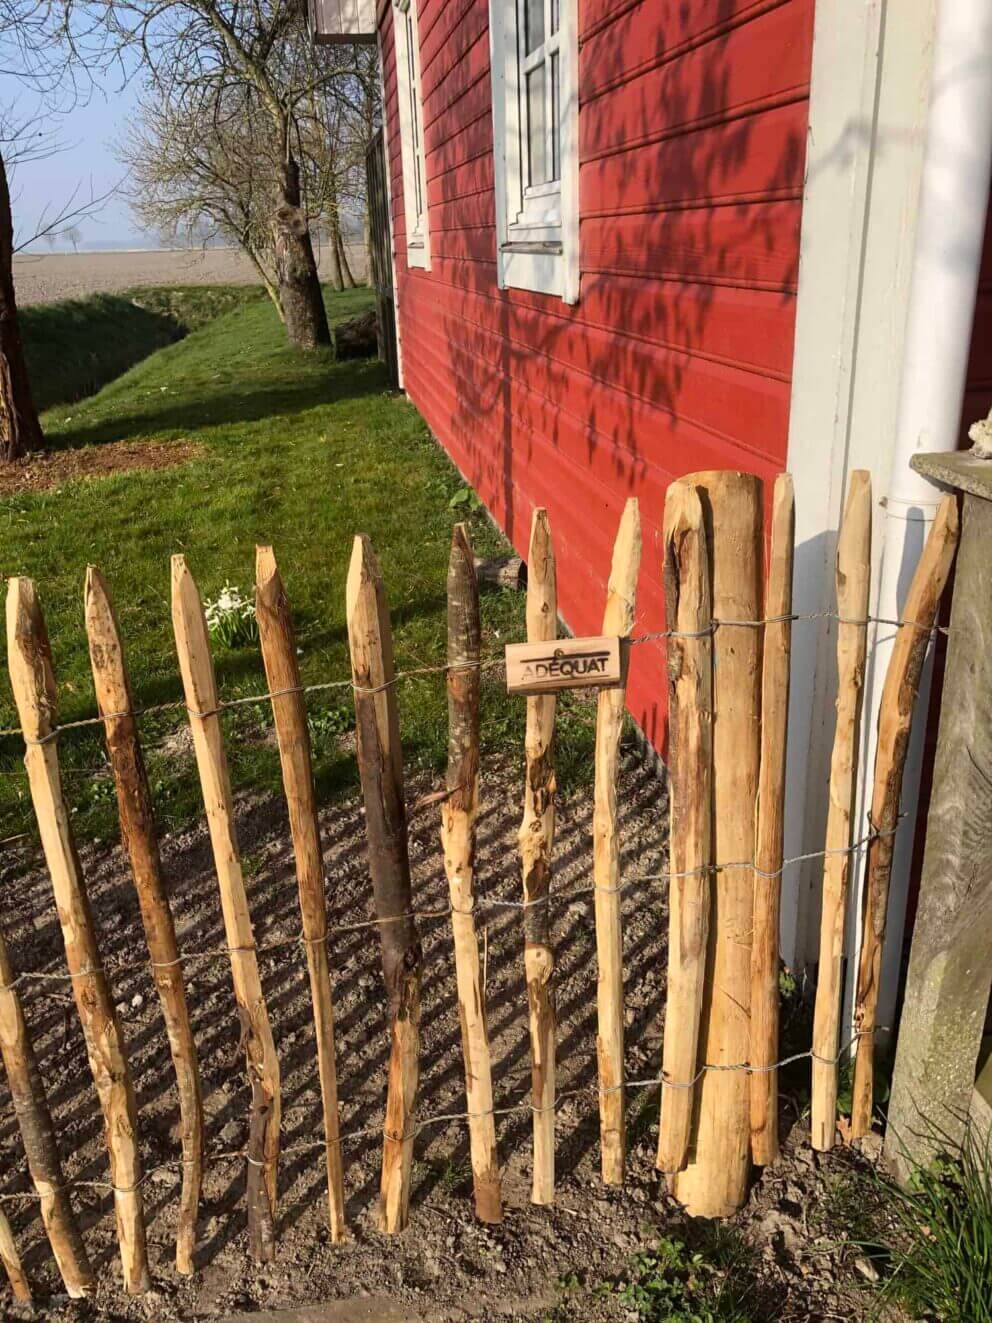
{"points": [[534, 54], [406, 41]]}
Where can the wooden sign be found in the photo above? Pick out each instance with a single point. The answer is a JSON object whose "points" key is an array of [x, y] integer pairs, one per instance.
{"points": [[541, 668]]}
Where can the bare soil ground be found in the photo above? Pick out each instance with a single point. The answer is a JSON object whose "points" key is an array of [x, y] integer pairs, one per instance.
{"points": [[446, 1264], [47, 277], [47, 469]]}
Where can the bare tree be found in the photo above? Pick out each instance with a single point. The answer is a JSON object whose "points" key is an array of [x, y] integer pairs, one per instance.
{"points": [[202, 57]]}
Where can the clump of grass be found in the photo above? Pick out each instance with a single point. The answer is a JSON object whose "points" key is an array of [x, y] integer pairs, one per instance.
{"points": [[941, 1234]]}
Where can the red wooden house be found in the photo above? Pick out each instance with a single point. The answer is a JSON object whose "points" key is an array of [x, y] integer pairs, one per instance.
{"points": [[636, 238]]}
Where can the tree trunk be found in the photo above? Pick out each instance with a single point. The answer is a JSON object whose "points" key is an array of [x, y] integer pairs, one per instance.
{"points": [[334, 256], [296, 269], [347, 279], [20, 430]]}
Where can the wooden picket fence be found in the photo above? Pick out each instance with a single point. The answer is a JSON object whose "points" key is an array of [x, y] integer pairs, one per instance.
{"points": [[728, 632]]}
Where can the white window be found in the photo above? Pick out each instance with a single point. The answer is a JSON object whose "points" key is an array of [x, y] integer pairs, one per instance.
{"points": [[534, 51], [407, 45]]}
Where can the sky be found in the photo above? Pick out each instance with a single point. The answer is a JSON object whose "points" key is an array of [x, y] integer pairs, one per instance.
{"points": [[85, 162]]}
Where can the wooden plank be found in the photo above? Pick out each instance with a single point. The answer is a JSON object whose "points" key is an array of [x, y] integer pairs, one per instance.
{"points": [[202, 701], [282, 674], [32, 677], [134, 804], [536, 836], [535, 668], [690, 782], [895, 718], [27, 1093], [714, 1184], [380, 762], [853, 582], [775, 665], [19, 1284], [618, 620], [458, 818]]}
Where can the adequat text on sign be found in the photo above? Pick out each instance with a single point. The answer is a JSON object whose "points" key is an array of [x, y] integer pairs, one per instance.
{"points": [[538, 668]]}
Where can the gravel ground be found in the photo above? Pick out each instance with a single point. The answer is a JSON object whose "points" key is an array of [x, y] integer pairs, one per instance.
{"points": [[445, 1260], [46, 277]]}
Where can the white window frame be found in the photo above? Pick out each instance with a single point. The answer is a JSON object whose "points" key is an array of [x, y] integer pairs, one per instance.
{"points": [[406, 44], [537, 228]]}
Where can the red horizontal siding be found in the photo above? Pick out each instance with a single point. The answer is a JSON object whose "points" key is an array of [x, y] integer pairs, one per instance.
{"points": [[678, 354]]}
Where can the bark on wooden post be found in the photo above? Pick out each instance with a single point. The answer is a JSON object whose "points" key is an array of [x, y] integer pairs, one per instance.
{"points": [[618, 620], [33, 681], [536, 836], [134, 805], [380, 762], [775, 663], [458, 815], [690, 797], [19, 1284], [200, 688], [950, 973], [853, 582], [27, 1093], [895, 718], [282, 673], [715, 1182]]}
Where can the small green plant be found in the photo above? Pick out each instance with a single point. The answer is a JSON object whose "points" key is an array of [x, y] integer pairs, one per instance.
{"points": [[672, 1283], [942, 1236], [465, 501], [231, 618], [327, 723]]}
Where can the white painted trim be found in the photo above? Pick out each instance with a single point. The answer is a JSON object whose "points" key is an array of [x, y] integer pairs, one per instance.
{"points": [[868, 100], [520, 264], [411, 115]]}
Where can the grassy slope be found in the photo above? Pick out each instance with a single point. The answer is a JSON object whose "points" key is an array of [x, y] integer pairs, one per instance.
{"points": [[75, 346], [302, 452]]}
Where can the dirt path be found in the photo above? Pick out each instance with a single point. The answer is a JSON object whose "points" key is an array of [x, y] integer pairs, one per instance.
{"points": [[445, 1264], [45, 277]]}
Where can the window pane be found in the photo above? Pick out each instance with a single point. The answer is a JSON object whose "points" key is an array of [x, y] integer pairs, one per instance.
{"points": [[533, 25], [555, 16], [536, 128], [555, 119]]}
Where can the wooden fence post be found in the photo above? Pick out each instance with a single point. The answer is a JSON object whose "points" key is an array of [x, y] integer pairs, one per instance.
{"points": [[134, 804], [618, 620], [380, 762], [33, 681], [690, 779], [895, 719], [775, 662], [537, 831], [282, 674], [715, 1182], [19, 1284], [458, 815], [200, 688], [27, 1093], [853, 582]]}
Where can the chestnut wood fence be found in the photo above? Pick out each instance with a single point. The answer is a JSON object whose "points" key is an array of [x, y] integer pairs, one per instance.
{"points": [[728, 632]]}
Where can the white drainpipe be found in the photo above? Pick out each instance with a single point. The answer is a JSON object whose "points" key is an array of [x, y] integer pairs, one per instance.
{"points": [[950, 233]]}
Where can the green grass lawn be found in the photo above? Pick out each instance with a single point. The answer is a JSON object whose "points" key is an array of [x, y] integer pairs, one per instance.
{"points": [[300, 451]]}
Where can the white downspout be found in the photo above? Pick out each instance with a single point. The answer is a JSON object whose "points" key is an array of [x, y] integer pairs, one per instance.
{"points": [[944, 282]]}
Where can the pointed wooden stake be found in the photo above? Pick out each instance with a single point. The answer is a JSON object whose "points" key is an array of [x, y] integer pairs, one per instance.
{"points": [[618, 621], [380, 762], [895, 717], [853, 584], [33, 681], [200, 687], [715, 1182], [537, 833], [458, 814], [16, 1275], [775, 664], [282, 673], [27, 1093], [690, 779], [134, 804]]}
